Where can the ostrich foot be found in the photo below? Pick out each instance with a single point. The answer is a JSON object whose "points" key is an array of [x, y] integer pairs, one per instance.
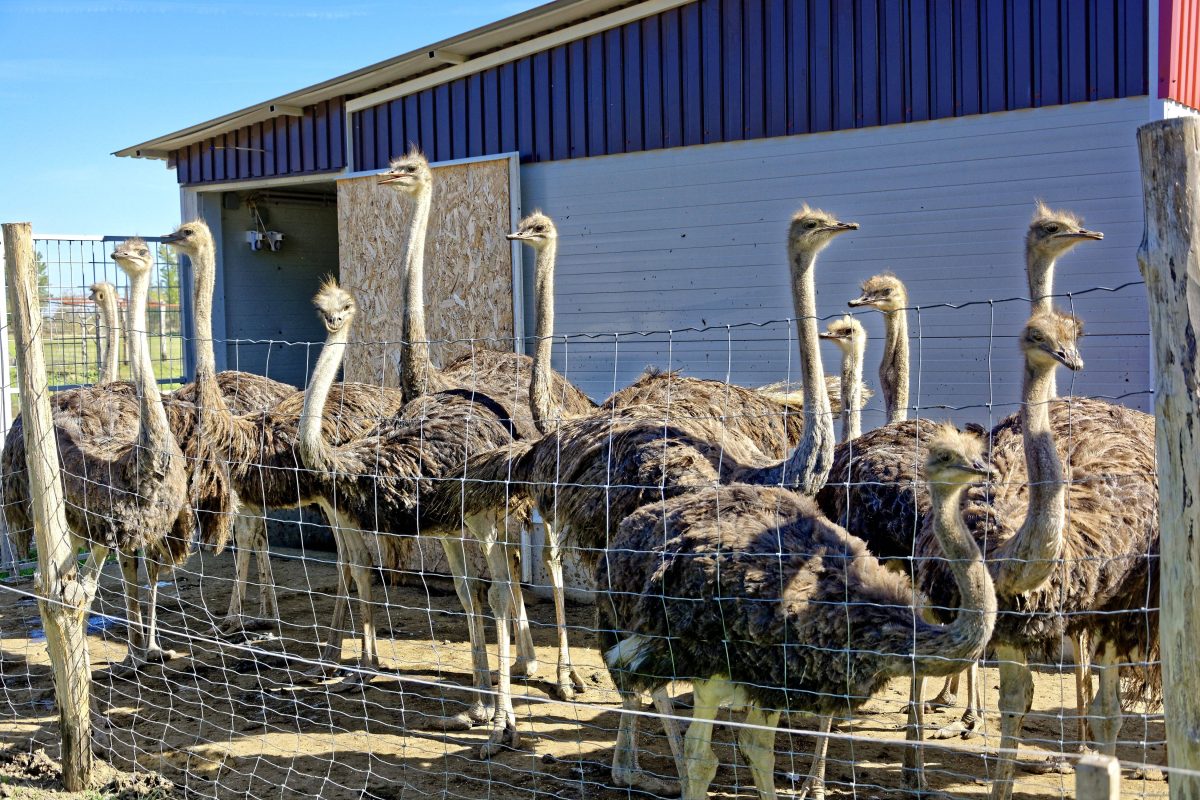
{"points": [[463, 721], [522, 669], [643, 781], [355, 680], [504, 735], [242, 624], [1052, 765], [568, 685], [318, 674], [158, 655], [813, 788], [943, 700], [965, 728]]}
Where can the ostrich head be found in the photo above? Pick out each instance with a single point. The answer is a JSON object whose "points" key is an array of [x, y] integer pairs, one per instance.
{"points": [[1053, 233], [813, 229], [335, 306], [536, 230], [409, 173], [1051, 338], [847, 332], [956, 457], [190, 237], [133, 256], [101, 292], [884, 292]]}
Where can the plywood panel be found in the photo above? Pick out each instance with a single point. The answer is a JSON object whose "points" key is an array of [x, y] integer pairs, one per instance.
{"points": [[468, 266]]}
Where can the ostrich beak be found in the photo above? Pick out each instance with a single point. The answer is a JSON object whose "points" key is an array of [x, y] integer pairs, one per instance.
{"points": [[1069, 357], [1083, 233], [515, 236], [982, 468], [842, 227], [390, 177], [173, 237], [865, 300]]}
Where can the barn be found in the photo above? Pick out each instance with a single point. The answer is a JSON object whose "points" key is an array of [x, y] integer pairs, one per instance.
{"points": [[671, 139]]}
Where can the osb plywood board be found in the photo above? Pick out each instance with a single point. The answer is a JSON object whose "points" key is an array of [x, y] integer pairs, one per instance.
{"points": [[468, 266]]}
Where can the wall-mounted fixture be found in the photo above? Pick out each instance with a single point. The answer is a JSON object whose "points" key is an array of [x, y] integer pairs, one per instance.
{"points": [[274, 240]]}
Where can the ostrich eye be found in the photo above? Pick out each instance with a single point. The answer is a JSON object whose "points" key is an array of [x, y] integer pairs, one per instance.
{"points": [[810, 224], [1037, 336], [539, 228], [1052, 228]]}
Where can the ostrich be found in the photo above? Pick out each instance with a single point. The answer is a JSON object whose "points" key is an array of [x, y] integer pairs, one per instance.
{"points": [[405, 475], [1067, 556], [125, 479], [104, 295], [602, 466], [888, 294], [1051, 234], [759, 600], [241, 393], [850, 336]]}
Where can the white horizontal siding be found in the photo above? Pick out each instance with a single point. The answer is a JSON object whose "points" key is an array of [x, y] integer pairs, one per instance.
{"points": [[694, 237]]}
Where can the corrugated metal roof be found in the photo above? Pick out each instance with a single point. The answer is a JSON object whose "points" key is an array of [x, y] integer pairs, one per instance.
{"points": [[433, 57]]}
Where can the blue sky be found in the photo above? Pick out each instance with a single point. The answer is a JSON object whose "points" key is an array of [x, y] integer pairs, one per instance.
{"points": [[79, 80]]}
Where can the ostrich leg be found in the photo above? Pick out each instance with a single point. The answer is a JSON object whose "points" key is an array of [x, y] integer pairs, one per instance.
{"points": [[500, 597], [567, 680], [133, 606], [700, 763], [1016, 696], [758, 748], [1106, 705], [483, 708], [814, 784]]}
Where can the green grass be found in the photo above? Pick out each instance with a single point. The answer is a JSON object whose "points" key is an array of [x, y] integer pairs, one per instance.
{"points": [[71, 360]]}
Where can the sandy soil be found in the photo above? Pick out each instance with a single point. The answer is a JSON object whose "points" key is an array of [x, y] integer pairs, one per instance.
{"points": [[227, 718]]}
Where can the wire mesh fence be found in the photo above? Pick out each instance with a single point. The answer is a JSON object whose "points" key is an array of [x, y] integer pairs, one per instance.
{"points": [[701, 587]]}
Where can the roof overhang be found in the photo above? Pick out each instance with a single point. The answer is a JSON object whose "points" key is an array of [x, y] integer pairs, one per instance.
{"points": [[457, 51]]}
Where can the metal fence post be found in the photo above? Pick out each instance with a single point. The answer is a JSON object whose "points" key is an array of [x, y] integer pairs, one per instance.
{"points": [[1170, 262]]}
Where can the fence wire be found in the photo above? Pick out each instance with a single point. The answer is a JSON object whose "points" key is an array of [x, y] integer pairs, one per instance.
{"points": [[261, 706]]}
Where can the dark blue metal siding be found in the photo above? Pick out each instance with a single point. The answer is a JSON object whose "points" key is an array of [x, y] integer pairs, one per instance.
{"points": [[278, 146], [726, 70]]}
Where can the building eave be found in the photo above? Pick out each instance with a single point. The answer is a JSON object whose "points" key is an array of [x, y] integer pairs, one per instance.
{"points": [[446, 54]]}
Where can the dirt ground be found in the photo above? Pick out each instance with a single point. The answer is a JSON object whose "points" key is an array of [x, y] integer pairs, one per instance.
{"points": [[228, 718]]}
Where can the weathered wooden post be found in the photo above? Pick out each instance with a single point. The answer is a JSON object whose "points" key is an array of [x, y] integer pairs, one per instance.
{"points": [[62, 599], [1170, 261], [1098, 777]]}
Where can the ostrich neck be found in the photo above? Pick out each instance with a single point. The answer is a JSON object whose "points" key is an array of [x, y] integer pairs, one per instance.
{"points": [[541, 396], [893, 369], [1039, 270], [210, 402], [417, 374], [154, 433], [852, 368], [807, 468], [1026, 560], [966, 636], [314, 451], [110, 319]]}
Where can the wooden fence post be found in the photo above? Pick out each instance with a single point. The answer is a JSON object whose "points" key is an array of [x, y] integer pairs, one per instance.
{"points": [[62, 599], [1098, 777], [1170, 261]]}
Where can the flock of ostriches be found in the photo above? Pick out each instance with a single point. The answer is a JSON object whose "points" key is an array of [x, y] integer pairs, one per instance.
{"points": [[735, 543]]}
